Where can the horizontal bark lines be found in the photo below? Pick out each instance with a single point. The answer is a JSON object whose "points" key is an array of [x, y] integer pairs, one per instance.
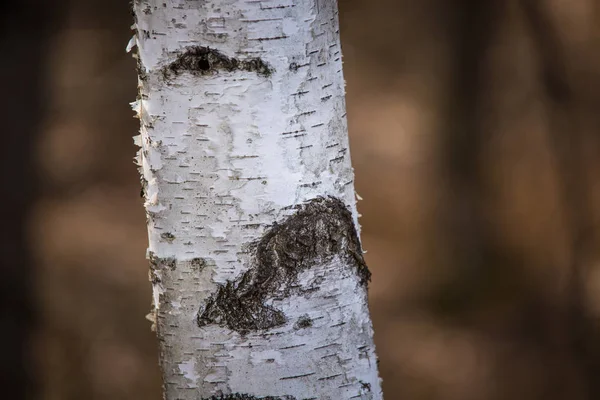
{"points": [[259, 282]]}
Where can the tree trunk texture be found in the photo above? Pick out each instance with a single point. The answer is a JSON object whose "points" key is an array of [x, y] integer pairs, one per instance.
{"points": [[256, 263]]}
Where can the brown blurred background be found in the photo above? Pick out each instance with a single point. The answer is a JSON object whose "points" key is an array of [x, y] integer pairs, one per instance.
{"points": [[476, 143]]}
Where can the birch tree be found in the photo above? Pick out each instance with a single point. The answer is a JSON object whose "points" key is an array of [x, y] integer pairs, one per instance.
{"points": [[257, 269]]}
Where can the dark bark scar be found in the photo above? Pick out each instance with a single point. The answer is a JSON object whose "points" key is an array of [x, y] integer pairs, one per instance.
{"points": [[303, 322], [319, 230], [199, 60]]}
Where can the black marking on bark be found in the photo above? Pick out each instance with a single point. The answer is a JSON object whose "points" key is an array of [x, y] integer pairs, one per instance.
{"points": [[132, 5], [141, 72], [168, 236], [318, 231], [365, 386], [199, 264], [144, 184], [142, 75], [303, 322], [241, 396], [201, 60]]}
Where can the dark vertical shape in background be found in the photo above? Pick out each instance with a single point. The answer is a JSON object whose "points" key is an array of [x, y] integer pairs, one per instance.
{"points": [[24, 28], [472, 26], [566, 139]]}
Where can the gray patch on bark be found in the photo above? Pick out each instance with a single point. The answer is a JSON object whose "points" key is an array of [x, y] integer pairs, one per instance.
{"points": [[201, 60], [303, 322], [157, 264], [318, 231]]}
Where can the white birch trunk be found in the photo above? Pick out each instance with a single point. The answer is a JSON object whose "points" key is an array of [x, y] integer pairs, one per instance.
{"points": [[258, 276]]}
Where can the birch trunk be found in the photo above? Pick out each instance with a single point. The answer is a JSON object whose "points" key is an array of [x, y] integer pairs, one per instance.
{"points": [[257, 269]]}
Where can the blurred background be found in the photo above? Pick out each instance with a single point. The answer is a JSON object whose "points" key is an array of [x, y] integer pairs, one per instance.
{"points": [[475, 135]]}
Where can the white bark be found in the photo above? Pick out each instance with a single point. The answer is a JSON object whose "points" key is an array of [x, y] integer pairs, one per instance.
{"points": [[259, 283]]}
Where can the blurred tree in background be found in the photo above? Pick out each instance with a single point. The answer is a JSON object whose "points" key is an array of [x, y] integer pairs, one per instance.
{"points": [[24, 30]]}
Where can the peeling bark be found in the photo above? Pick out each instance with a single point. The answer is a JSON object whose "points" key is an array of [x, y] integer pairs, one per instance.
{"points": [[255, 259]]}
